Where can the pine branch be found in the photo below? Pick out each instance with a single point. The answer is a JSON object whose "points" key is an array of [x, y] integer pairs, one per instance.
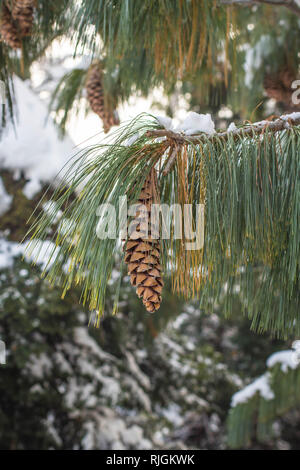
{"points": [[250, 190], [255, 408], [280, 124], [289, 4]]}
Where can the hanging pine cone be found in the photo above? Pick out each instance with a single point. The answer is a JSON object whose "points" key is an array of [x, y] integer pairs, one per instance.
{"points": [[22, 13], [8, 29], [142, 253], [96, 98]]}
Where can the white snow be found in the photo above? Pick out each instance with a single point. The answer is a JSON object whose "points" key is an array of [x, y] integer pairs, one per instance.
{"points": [[139, 393], [254, 57], [165, 121], [136, 371], [49, 207], [232, 127], [5, 199], [39, 250], [292, 116], [8, 251], [33, 147], [194, 123], [172, 414], [83, 338], [287, 359], [260, 385], [40, 365], [32, 188], [132, 139]]}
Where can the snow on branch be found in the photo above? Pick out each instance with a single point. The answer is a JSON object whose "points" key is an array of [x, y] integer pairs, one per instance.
{"points": [[280, 124], [270, 396]]}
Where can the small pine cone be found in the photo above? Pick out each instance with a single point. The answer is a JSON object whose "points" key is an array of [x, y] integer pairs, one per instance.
{"points": [[96, 99], [142, 253], [8, 30], [22, 12]]}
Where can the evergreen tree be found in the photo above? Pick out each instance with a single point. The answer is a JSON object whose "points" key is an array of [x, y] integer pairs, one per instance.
{"points": [[237, 63]]}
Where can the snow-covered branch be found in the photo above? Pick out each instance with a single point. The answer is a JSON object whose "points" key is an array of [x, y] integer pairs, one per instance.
{"points": [[280, 124]]}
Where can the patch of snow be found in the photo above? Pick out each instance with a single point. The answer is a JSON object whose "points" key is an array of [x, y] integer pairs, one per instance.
{"points": [[139, 393], [88, 439], [292, 116], [33, 147], [83, 338], [50, 423], [62, 362], [39, 250], [260, 385], [136, 371], [132, 436], [172, 414], [131, 140], [195, 123], [111, 388], [32, 188], [287, 359], [39, 365], [49, 207], [8, 251], [254, 57], [232, 127], [5, 199], [165, 121]]}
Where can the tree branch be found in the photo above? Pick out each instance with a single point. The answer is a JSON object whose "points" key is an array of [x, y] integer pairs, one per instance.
{"points": [[289, 4], [280, 124]]}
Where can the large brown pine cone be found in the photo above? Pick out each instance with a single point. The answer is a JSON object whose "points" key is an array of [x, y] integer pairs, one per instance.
{"points": [[96, 98], [22, 12], [142, 253], [8, 29]]}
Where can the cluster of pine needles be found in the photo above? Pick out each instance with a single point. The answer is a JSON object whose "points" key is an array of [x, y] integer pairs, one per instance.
{"points": [[250, 187]]}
